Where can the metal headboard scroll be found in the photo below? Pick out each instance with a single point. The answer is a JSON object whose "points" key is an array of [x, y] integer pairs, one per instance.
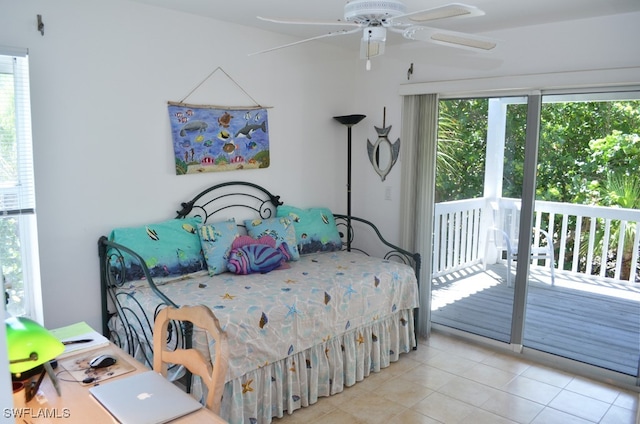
{"points": [[264, 202], [394, 252]]}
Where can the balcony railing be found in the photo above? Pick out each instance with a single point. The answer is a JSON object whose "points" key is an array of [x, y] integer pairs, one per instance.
{"points": [[591, 240]]}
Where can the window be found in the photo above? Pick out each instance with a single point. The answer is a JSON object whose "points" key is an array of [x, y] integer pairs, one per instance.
{"points": [[19, 265]]}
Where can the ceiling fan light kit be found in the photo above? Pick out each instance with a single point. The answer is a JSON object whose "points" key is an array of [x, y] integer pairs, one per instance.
{"points": [[377, 34], [369, 49], [366, 11], [375, 17]]}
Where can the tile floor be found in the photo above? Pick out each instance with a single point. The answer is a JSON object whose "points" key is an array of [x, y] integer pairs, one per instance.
{"points": [[450, 381]]}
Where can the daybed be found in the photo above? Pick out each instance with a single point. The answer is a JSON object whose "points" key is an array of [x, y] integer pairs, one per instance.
{"points": [[331, 316]]}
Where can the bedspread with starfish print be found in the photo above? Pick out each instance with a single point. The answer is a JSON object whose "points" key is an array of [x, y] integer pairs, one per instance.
{"points": [[271, 316]]}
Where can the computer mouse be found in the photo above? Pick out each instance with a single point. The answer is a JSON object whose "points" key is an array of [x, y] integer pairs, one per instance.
{"points": [[102, 361]]}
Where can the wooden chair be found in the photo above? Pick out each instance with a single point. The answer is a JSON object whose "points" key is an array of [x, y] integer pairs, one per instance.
{"points": [[213, 375]]}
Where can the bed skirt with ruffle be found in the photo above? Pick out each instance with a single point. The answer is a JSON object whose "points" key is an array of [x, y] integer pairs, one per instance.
{"points": [[323, 370]]}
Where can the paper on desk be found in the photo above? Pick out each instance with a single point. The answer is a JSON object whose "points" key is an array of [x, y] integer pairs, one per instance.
{"points": [[80, 330]]}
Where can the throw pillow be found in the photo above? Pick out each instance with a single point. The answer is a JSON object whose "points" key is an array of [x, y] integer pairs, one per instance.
{"points": [[254, 258], [216, 239], [169, 248], [315, 229], [281, 229]]}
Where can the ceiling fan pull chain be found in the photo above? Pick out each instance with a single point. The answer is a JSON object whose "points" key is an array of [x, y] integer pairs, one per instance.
{"points": [[368, 65]]}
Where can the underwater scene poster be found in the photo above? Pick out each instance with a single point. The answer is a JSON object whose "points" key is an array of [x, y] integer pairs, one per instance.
{"points": [[212, 139]]}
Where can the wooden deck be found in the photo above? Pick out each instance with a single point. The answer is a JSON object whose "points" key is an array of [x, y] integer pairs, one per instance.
{"points": [[590, 320]]}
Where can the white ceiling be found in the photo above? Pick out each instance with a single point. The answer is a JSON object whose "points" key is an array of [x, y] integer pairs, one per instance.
{"points": [[499, 14]]}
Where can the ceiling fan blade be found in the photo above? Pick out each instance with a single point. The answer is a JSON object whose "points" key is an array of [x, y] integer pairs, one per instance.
{"points": [[318, 37], [452, 10], [449, 38], [307, 22]]}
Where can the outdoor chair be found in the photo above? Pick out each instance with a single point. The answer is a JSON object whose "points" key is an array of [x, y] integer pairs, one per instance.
{"points": [[504, 244]]}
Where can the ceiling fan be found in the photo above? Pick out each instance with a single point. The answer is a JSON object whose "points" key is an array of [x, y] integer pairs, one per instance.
{"points": [[373, 18]]}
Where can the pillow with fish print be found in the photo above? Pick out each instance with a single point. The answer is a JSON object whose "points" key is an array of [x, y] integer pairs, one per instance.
{"points": [[216, 240], [316, 229], [262, 258], [169, 248], [281, 229]]}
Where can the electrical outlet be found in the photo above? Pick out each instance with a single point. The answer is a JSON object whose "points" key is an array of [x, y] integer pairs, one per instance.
{"points": [[387, 193]]}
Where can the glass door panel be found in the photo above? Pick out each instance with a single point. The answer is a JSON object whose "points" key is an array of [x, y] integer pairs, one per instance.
{"points": [[480, 141], [583, 297]]}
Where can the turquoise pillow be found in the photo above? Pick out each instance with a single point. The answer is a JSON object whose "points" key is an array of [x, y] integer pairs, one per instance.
{"points": [[216, 240], [281, 229], [316, 229], [169, 248]]}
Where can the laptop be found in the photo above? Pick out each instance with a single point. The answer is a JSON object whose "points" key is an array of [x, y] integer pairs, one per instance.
{"points": [[145, 398]]}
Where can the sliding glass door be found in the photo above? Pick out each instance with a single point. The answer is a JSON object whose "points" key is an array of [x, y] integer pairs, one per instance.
{"points": [[551, 179]]}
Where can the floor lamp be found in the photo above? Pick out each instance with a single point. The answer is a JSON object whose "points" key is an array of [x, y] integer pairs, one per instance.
{"points": [[349, 121]]}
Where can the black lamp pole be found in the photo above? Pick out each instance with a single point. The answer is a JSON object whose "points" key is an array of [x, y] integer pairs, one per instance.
{"points": [[349, 121]]}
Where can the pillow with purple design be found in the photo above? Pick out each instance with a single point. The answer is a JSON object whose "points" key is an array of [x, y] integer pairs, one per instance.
{"points": [[257, 258]]}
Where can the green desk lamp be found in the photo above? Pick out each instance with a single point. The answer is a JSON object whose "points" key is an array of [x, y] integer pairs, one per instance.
{"points": [[30, 345]]}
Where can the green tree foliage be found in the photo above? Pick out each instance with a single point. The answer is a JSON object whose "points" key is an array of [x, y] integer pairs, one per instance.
{"points": [[589, 153], [581, 145], [462, 142], [515, 133], [10, 258]]}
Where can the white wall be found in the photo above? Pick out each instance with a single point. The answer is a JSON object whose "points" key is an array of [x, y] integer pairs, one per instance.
{"points": [[100, 79], [103, 72]]}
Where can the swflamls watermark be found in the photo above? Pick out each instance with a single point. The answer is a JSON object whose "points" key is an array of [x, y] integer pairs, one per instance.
{"points": [[36, 413]]}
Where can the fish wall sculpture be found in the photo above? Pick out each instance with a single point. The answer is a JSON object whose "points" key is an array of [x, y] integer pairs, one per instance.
{"points": [[383, 154]]}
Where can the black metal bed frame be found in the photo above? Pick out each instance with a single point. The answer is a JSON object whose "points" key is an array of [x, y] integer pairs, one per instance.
{"points": [[228, 196]]}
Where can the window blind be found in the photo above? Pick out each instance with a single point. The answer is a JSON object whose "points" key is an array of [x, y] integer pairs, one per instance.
{"points": [[17, 194]]}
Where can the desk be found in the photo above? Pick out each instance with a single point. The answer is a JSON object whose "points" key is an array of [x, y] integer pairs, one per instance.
{"points": [[76, 405]]}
